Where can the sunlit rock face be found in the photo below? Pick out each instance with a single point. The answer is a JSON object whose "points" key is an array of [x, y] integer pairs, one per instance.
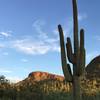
{"points": [[38, 76]]}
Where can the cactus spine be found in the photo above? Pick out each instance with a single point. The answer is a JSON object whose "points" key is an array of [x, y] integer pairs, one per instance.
{"points": [[76, 56]]}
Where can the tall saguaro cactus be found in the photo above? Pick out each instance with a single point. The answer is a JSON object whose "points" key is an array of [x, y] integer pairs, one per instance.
{"points": [[76, 56]]}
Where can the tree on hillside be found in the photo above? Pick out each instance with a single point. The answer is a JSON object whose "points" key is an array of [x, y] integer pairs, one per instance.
{"points": [[3, 79]]}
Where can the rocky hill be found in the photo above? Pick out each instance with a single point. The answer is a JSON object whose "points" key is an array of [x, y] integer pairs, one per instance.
{"points": [[39, 76], [93, 68]]}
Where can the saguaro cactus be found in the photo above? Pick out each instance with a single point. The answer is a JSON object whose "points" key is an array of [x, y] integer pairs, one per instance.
{"points": [[76, 56]]}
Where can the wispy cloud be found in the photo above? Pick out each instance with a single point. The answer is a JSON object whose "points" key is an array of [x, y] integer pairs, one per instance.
{"points": [[97, 37], [24, 60], [5, 71], [14, 79], [38, 25], [2, 45], [42, 44], [5, 34], [34, 47], [5, 53], [82, 16]]}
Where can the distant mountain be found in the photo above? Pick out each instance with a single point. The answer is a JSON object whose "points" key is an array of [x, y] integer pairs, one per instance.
{"points": [[38, 76]]}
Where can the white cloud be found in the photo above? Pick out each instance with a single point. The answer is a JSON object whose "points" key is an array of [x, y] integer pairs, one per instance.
{"points": [[82, 16], [38, 25], [5, 53], [41, 44], [24, 60], [35, 47], [14, 79], [44, 42], [5, 71], [5, 34], [97, 37], [2, 45]]}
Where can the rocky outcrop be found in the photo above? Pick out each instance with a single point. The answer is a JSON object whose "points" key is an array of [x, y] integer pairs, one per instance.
{"points": [[93, 68], [38, 76]]}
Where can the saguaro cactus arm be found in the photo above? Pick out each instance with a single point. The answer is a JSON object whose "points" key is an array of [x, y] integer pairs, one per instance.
{"points": [[81, 39], [82, 52], [70, 54], [63, 55]]}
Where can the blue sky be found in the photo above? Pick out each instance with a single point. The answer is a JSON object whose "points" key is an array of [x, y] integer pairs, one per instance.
{"points": [[29, 40]]}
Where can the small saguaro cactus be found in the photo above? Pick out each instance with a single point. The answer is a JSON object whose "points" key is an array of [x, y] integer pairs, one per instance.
{"points": [[76, 56]]}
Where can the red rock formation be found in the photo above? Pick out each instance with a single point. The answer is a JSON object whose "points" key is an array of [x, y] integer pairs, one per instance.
{"points": [[38, 76]]}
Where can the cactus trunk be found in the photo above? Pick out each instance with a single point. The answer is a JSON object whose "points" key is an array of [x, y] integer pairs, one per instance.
{"points": [[76, 65], [76, 88]]}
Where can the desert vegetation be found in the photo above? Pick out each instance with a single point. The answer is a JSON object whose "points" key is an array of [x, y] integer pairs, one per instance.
{"points": [[46, 90]]}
